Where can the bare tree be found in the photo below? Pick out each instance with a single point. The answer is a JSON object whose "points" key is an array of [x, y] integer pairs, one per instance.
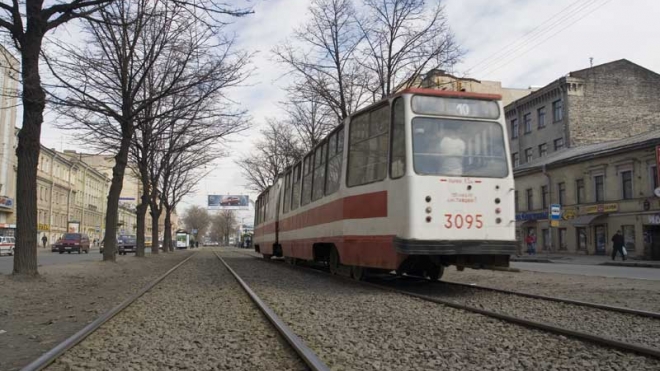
{"points": [[27, 23], [322, 55], [308, 115], [278, 149], [197, 218], [142, 52], [402, 39], [222, 225]]}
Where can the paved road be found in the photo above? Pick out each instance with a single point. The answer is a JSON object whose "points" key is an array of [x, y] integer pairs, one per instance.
{"points": [[592, 270], [48, 258]]}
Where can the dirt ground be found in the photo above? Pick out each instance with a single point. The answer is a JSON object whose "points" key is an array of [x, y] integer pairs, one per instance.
{"points": [[636, 294], [37, 314]]}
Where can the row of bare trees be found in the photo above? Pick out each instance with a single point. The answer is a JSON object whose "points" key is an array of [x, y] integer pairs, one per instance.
{"points": [[220, 226], [148, 85], [348, 54]]}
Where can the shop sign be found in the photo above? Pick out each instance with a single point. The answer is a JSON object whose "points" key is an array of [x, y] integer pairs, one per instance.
{"points": [[43, 227], [654, 219], [532, 216], [568, 214], [6, 202], [554, 223], [603, 208]]}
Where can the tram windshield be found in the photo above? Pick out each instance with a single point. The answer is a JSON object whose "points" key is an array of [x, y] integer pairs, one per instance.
{"points": [[458, 148]]}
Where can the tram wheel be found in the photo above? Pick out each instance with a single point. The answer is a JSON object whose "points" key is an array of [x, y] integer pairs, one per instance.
{"points": [[434, 273], [358, 273], [267, 256]]}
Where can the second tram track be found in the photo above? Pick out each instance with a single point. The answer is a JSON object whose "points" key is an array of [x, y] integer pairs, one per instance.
{"points": [[607, 341], [307, 357]]}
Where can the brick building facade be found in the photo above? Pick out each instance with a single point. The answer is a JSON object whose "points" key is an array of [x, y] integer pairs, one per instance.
{"points": [[605, 102]]}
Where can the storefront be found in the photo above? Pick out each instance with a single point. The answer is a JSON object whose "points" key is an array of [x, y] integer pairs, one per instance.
{"points": [[651, 232], [528, 223]]}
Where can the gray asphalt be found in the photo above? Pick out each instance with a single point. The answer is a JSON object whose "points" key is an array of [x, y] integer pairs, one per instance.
{"points": [[48, 258], [592, 270]]}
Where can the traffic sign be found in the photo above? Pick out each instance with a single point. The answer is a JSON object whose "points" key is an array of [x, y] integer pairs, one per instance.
{"points": [[555, 212]]}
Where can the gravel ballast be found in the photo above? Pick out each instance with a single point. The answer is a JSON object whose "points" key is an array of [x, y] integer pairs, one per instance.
{"points": [[620, 326], [198, 318], [353, 327]]}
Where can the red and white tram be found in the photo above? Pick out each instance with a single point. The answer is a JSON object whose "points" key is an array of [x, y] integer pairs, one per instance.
{"points": [[414, 183]]}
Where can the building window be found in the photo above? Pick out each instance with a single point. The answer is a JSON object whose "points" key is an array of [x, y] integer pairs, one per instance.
{"points": [[527, 120], [514, 129], [515, 159], [557, 111], [543, 150], [599, 190], [544, 197], [541, 117], [653, 175], [579, 191], [561, 193], [628, 236], [559, 144], [528, 155], [516, 203], [530, 199], [626, 184], [562, 239]]}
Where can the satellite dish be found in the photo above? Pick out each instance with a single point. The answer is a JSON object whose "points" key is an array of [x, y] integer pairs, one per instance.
{"points": [[657, 192]]}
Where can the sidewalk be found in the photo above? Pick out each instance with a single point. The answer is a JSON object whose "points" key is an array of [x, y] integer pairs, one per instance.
{"points": [[585, 260]]}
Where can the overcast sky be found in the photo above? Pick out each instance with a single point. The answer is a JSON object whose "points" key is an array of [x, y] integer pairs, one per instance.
{"points": [[490, 32]]}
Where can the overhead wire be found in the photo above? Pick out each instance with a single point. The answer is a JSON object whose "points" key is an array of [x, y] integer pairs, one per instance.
{"points": [[505, 48], [504, 62]]}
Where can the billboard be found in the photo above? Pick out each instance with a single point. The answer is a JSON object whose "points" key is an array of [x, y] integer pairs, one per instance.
{"points": [[228, 202], [73, 227]]}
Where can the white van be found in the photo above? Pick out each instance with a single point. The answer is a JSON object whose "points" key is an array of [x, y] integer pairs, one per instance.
{"points": [[7, 245]]}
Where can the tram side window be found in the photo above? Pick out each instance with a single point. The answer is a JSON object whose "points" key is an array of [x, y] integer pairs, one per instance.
{"points": [[287, 191], [367, 155], [335, 151], [295, 189], [266, 202], [319, 171], [307, 180], [398, 159]]}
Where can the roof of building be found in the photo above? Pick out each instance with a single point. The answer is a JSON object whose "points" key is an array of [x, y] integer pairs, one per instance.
{"points": [[587, 152]]}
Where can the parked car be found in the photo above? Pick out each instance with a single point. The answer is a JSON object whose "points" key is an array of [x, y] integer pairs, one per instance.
{"points": [[7, 244], [126, 243], [74, 242], [55, 247]]}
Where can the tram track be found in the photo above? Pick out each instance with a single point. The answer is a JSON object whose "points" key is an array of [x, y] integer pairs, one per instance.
{"points": [[638, 338], [111, 323]]}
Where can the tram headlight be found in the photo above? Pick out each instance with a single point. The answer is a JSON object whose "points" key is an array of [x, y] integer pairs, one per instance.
{"points": [[498, 220], [428, 210], [498, 210], [428, 198], [497, 200], [428, 219]]}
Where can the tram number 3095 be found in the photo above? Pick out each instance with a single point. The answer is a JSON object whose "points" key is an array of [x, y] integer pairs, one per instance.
{"points": [[460, 221]]}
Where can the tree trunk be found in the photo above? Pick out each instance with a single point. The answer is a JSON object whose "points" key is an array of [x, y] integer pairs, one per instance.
{"points": [[141, 229], [27, 153], [155, 215], [112, 213], [167, 234]]}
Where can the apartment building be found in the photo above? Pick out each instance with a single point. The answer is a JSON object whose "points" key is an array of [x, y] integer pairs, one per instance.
{"points": [[601, 188], [9, 67], [606, 102]]}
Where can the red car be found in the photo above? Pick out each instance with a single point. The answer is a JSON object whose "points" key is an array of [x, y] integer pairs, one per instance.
{"points": [[77, 242]]}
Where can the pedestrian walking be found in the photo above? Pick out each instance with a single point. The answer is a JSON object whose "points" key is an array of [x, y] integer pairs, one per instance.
{"points": [[531, 243], [196, 243], [618, 245], [44, 240]]}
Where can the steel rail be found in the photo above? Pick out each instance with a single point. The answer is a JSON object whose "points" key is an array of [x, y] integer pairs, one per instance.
{"points": [[583, 336], [310, 358], [51, 355], [612, 308]]}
